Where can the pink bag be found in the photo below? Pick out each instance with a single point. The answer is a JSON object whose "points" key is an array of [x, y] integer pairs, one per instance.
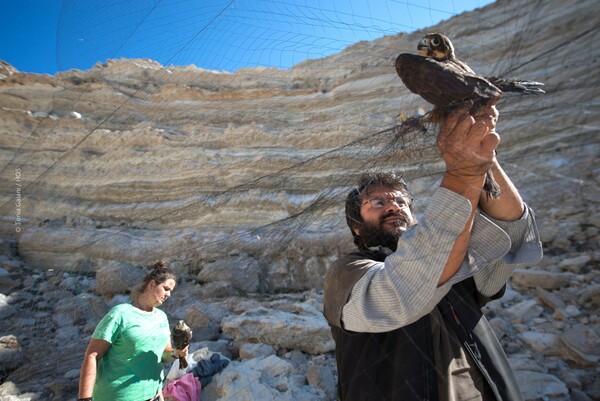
{"points": [[186, 388]]}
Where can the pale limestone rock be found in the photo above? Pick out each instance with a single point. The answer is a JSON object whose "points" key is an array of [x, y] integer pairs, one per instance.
{"points": [[551, 299], [79, 310], [319, 375], [217, 289], [540, 279], [572, 311], [252, 350], [201, 314], [579, 395], [117, 277], [269, 379], [575, 264], [11, 355], [204, 349], [523, 363], [308, 333], [8, 388], [500, 326], [241, 271], [590, 293], [204, 319], [525, 310], [537, 386], [6, 309], [240, 138], [581, 345], [544, 343]]}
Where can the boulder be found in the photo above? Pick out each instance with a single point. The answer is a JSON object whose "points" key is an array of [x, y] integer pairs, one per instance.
{"points": [[118, 277], [11, 355], [241, 271], [537, 386], [265, 378], [308, 333]]}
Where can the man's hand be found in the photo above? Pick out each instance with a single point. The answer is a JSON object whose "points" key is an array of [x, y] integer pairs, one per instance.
{"points": [[467, 143]]}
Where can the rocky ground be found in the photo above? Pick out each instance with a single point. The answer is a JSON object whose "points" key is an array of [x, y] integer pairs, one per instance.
{"points": [[280, 345]]}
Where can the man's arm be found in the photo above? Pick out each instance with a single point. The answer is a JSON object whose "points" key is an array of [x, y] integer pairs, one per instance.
{"points": [[509, 206], [410, 282], [517, 220], [491, 262], [467, 145]]}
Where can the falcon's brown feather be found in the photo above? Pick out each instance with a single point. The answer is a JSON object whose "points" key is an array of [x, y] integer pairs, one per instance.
{"points": [[182, 337], [445, 85], [448, 83]]}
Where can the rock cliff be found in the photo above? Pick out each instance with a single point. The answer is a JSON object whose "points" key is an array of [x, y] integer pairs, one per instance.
{"points": [[136, 161]]}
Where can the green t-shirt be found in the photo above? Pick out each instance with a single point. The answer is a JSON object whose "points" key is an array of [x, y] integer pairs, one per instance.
{"points": [[131, 369]]}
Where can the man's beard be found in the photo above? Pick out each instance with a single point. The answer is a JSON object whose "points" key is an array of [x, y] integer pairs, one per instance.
{"points": [[378, 235]]}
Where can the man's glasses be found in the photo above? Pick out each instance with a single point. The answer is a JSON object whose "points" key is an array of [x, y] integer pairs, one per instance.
{"points": [[378, 203]]}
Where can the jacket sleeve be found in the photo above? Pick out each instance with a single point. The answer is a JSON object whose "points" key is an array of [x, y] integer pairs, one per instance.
{"points": [[404, 288], [492, 271]]}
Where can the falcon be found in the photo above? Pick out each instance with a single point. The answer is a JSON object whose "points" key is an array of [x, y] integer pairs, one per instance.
{"points": [[182, 336], [449, 83]]}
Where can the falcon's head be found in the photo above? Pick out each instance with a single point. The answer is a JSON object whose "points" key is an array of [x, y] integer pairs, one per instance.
{"points": [[437, 46]]}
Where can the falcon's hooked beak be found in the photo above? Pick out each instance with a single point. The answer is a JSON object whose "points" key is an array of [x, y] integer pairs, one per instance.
{"points": [[424, 48]]}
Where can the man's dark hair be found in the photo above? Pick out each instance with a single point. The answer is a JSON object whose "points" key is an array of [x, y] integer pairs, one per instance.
{"points": [[366, 183]]}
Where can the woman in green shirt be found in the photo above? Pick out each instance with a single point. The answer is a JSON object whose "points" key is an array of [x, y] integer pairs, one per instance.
{"points": [[123, 361]]}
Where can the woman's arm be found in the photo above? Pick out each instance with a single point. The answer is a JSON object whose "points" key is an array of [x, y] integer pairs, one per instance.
{"points": [[94, 352]]}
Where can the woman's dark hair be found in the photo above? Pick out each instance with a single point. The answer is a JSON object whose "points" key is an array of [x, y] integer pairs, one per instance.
{"points": [[159, 273], [366, 183]]}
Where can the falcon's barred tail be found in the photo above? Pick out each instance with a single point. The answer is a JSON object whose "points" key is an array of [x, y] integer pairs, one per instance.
{"points": [[491, 187], [183, 364], [509, 85]]}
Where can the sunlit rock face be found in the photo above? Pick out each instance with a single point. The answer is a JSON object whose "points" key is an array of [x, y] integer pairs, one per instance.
{"points": [[135, 161]]}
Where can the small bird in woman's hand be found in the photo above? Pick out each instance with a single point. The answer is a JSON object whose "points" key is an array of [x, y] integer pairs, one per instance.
{"points": [[182, 337]]}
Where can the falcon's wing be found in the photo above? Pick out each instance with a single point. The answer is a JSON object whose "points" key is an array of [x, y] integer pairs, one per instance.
{"points": [[442, 83], [517, 85]]}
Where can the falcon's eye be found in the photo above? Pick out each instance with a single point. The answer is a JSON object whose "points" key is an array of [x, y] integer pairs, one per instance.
{"points": [[435, 41]]}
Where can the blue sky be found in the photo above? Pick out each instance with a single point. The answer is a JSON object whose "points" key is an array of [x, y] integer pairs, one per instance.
{"points": [[46, 36]]}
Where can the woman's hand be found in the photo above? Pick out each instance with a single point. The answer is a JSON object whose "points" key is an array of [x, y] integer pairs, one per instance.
{"points": [[170, 354], [181, 353]]}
